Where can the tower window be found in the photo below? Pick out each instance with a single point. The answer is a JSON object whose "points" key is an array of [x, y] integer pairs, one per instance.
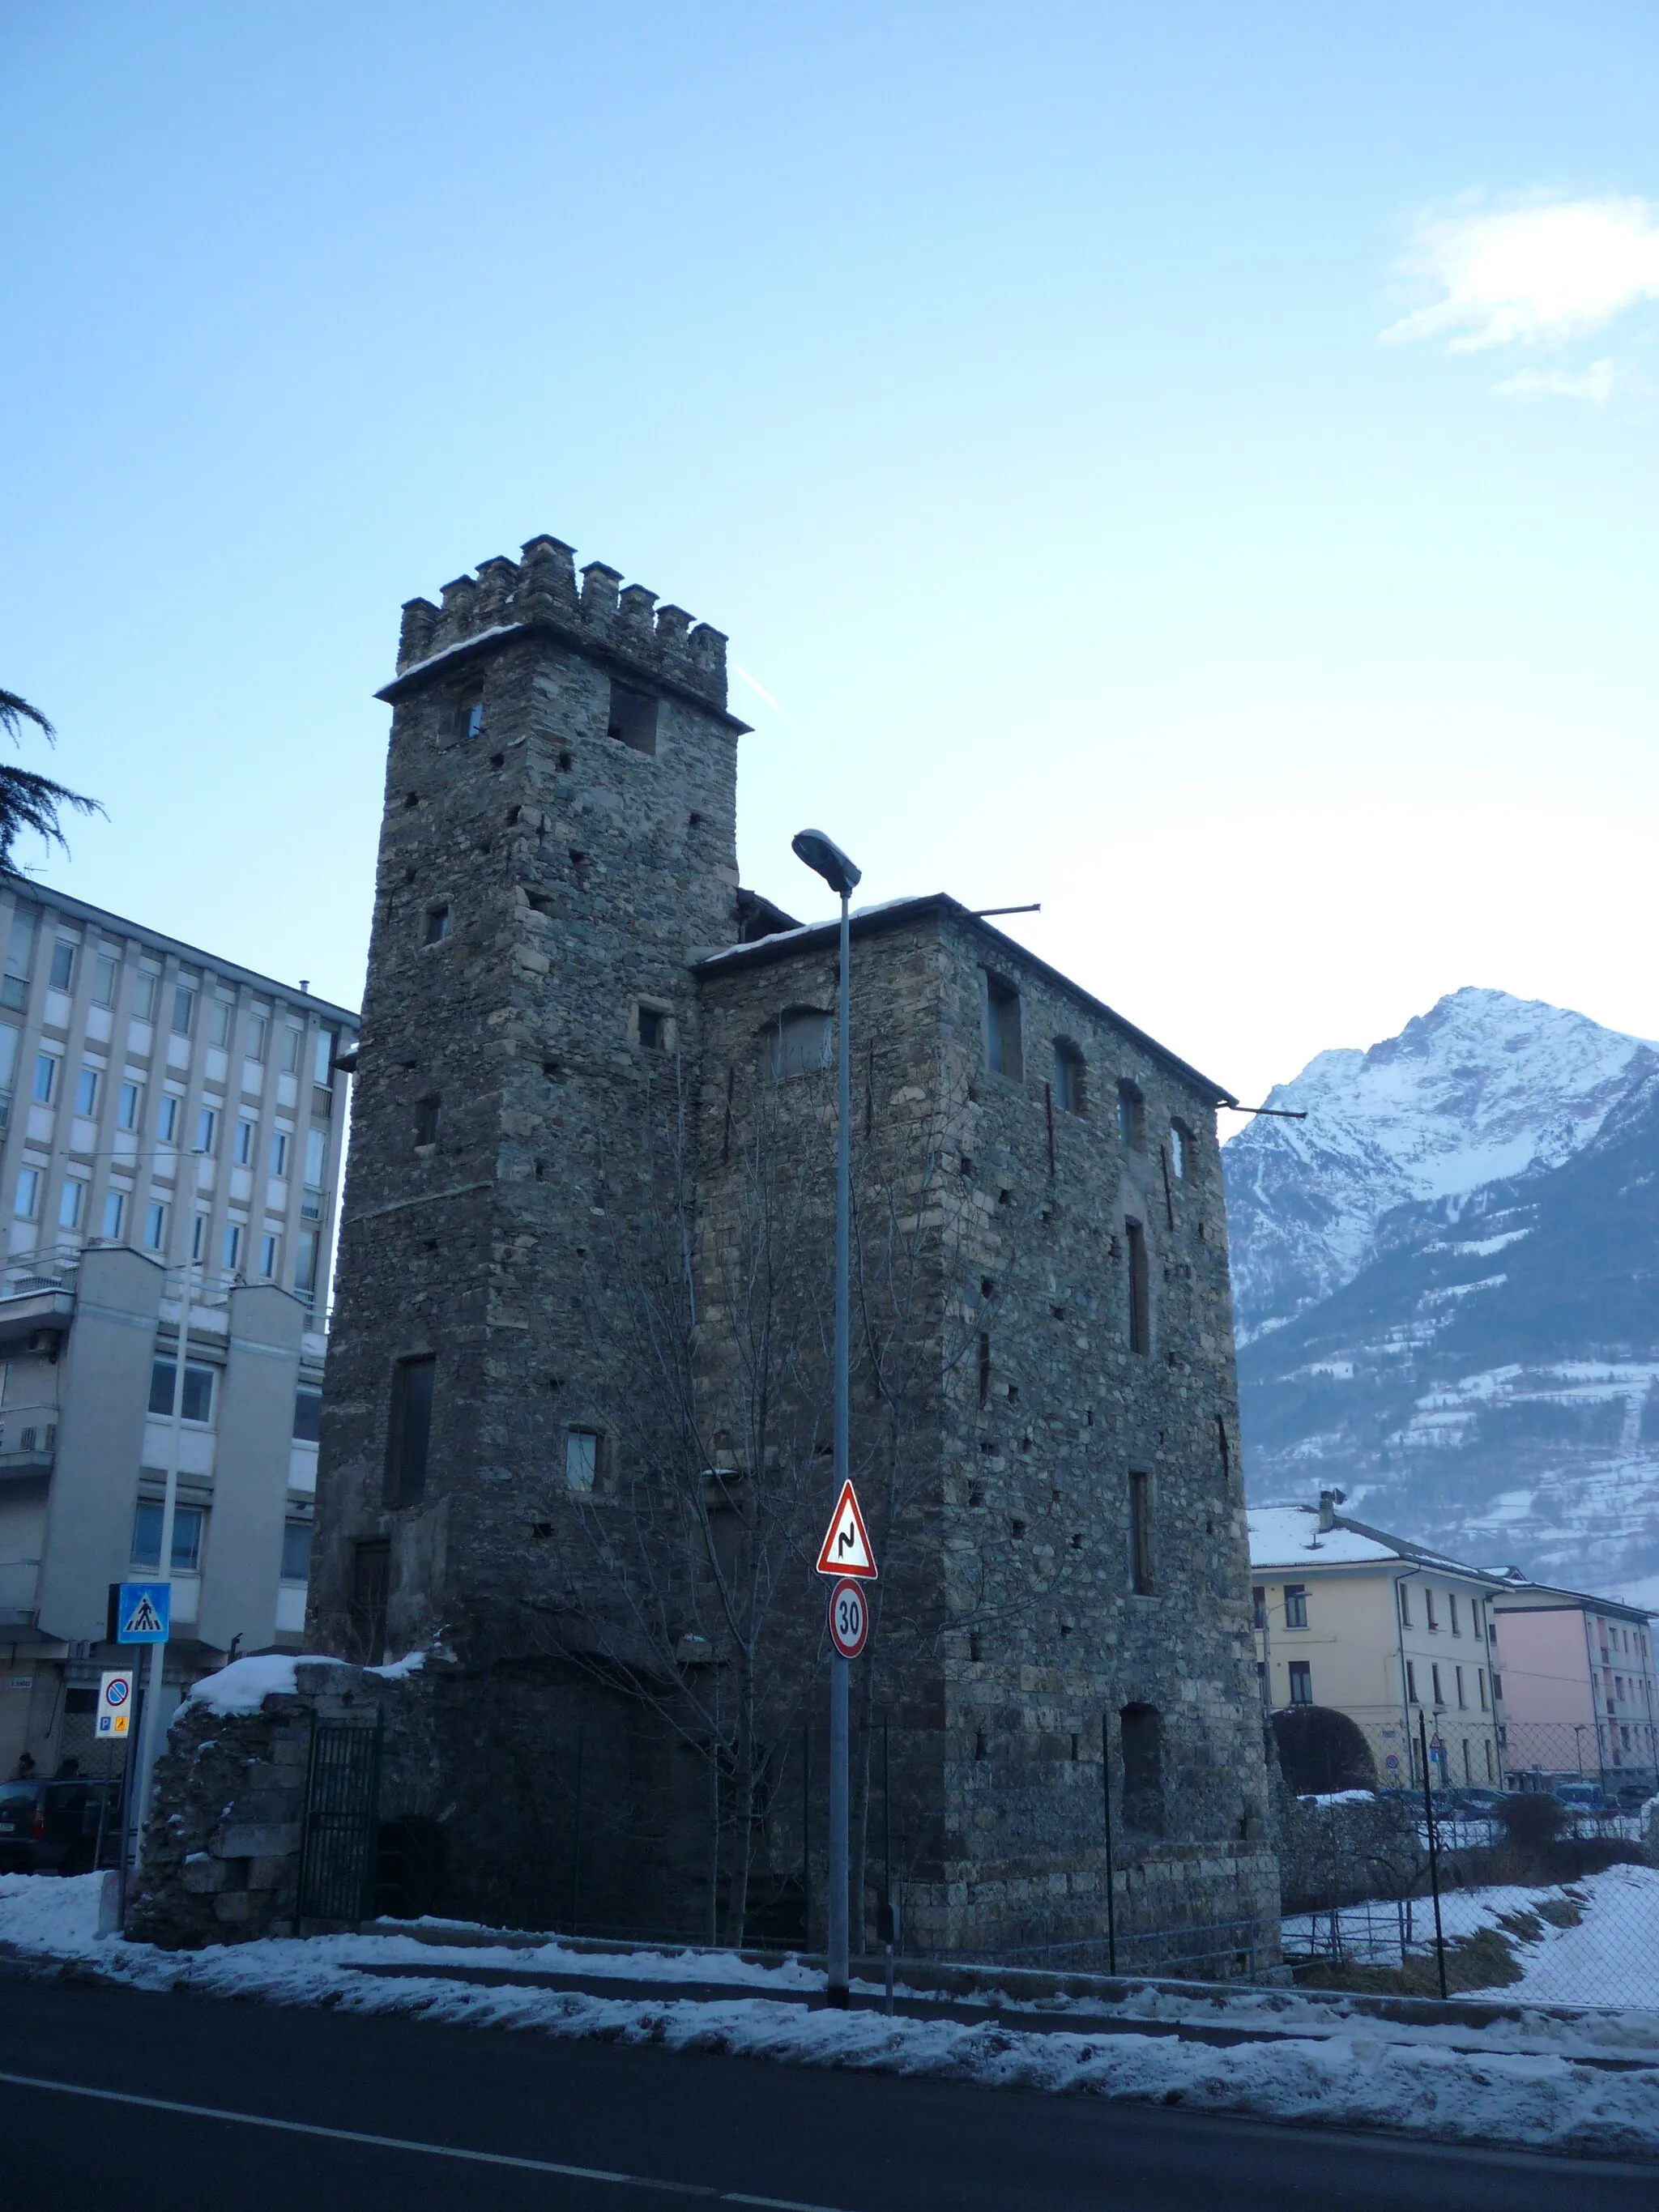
{"points": [[1068, 1076], [1143, 1769], [1131, 1115], [437, 924], [633, 719], [409, 1434], [1002, 1054], [467, 718], [653, 1029], [426, 1119], [805, 1042], [1140, 1535], [1140, 1317], [1181, 1148], [581, 1458]]}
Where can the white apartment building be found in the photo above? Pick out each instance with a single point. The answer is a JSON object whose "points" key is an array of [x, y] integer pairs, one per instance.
{"points": [[164, 1113], [1581, 1689]]}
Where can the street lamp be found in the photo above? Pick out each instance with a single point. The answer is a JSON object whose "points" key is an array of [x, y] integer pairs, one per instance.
{"points": [[827, 859]]}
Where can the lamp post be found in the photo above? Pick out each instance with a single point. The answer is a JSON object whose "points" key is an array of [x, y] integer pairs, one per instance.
{"points": [[827, 859]]}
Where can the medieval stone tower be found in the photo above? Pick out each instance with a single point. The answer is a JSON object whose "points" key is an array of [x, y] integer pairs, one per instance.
{"points": [[565, 980]]}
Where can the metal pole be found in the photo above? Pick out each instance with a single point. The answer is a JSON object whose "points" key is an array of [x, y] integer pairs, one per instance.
{"points": [[155, 1719], [838, 1974], [1434, 1850], [888, 1928], [576, 1854], [807, 1835], [1106, 1807]]}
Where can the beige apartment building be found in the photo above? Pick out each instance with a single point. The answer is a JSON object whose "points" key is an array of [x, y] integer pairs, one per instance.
{"points": [[1354, 1620], [164, 1114]]}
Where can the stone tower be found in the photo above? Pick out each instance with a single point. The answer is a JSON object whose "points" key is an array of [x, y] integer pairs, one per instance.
{"points": [[558, 843]]}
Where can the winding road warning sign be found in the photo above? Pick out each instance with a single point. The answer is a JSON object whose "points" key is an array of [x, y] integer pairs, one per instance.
{"points": [[846, 1549]]}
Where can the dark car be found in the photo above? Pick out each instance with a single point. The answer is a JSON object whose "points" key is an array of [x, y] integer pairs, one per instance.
{"points": [[67, 1826], [1632, 1796]]}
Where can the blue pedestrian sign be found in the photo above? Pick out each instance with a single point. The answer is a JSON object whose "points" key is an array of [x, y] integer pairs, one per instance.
{"points": [[142, 1613]]}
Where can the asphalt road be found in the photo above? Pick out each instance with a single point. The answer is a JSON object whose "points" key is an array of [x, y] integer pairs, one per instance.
{"points": [[200, 2105]]}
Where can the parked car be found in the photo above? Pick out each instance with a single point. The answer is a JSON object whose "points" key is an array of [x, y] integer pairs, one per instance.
{"points": [[1632, 1796], [1470, 1804], [1582, 1797], [66, 1826]]}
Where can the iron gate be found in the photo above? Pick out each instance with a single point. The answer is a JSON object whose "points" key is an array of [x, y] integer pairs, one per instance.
{"points": [[343, 1806]]}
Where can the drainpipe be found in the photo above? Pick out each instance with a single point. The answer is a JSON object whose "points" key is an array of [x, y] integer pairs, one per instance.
{"points": [[1410, 1575]]}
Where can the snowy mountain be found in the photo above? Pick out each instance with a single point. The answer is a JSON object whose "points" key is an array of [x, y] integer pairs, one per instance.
{"points": [[1448, 1288]]}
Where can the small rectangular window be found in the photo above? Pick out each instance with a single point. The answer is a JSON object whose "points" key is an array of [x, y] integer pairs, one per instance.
{"points": [[278, 1152], [167, 1127], [1296, 1605], [207, 1129], [1258, 1606], [653, 1029], [466, 717], [371, 1585], [1451, 1604], [86, 1092], [224, 1014], [46, 1077], [1461, 1699], [316, 1156], [293, 1040], [296, 1551], [409, 1430], [1140, 1313], [187, 1523], [199, 1389], [581, 1458], [231, 1247], [156, 1227], [307, 1416], [1405, 1604], [20, 955], [1140, 1535], [427, 1113], [199, 1237], [1003, 1051], [71, 1203], [115, 1214], [1411, 1682], [1131, 1116], [270, 1245], [248, 1137], [1180, 1145], [129, 1105], [1428, 1608], [184, 1010], [322, 1060], [105, 973], [806, 1042], [437, 924], [1480, 1685], [1068, 1076], [305, 1262], [144, 994], [1301, 1682], [26, 1204], [258, 1036], [633, 719], [63, 965]]}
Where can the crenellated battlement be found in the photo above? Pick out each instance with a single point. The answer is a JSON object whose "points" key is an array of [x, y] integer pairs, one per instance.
{"points": [[541, 590]]}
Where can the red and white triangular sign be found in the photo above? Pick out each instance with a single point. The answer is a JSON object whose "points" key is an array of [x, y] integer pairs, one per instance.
{"points": [[847, 1541]]}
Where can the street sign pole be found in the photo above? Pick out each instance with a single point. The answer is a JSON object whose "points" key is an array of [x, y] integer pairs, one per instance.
{"points": [[838, 1979], [155, 1720]]}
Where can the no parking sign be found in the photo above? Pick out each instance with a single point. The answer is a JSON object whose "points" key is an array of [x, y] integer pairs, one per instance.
{"points": [[115, 1705]]}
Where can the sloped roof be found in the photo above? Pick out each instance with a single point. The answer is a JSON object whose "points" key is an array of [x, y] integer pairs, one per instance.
{"points": [[1290, 1536]]}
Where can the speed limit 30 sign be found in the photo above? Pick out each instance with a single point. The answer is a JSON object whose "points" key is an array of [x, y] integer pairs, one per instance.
{"points": [[849, 1619]]}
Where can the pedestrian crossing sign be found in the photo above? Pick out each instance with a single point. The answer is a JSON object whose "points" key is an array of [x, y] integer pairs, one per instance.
{"points": [[143, 1612]]}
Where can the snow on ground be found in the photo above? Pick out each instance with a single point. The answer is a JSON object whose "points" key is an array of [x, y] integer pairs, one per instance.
{"points": [[1342, 2072]]}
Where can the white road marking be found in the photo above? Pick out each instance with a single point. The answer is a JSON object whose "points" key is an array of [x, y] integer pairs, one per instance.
{"points": [[703, 2189]]}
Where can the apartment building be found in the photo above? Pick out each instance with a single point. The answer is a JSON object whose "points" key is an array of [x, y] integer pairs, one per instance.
{"points": [[1379, 1629], [166, 1114], [1581, 1696]]}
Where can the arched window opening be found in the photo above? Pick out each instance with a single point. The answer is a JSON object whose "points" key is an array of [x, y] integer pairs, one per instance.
{"points": [[427, 1110], [1068, 1076], [1180, 1149], [1131, 1115], [803, 1042], [1142, 1737]]}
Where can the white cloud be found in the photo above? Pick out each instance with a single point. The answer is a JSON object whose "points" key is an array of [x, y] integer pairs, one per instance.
{"points": [[1554, 269], [1594, 382]]}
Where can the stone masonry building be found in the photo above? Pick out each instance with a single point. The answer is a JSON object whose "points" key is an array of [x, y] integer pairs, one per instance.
{"points": [[568, 988]]}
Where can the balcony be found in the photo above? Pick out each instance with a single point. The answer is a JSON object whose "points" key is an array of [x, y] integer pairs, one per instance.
{"points": [[19, 1588]]}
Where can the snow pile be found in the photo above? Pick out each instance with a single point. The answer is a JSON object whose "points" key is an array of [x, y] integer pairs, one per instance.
{"points": [[243, 1686], [1448, 2083]]}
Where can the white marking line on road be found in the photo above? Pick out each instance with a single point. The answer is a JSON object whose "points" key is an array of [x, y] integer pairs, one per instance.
{"points": [[703, 2189]]}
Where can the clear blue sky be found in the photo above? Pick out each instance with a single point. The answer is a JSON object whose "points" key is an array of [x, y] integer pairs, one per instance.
{"points": [[1010, 384]]}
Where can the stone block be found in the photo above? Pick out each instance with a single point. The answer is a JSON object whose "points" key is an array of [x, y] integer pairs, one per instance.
{"points": [[238, 1840], [204, 1875], [268, 1874], [237, 1907]]}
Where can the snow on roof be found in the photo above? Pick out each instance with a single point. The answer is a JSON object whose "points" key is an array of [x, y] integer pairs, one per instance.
{"points": [[1289, 1535]]}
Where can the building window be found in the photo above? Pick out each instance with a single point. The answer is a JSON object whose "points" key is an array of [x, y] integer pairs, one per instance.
{"points": [[1480, 1683], [1301, 1682], [292, 1041], [304, 1263], [26, 1204], [144, 995], [1428, 1608], [652, 1029], [1140, 1313], [129, 1105], [1131, 1115], [278, 1152], [258, 1037], [63, 965], [46, 1077], [207, 1129], [409, 1435], [246, 1133], [1180, 1149], [19, 956], [1258, 1606], [1003, 1051], [1434, 1677], [86, 1092], [1405, 1604], [307, 1416], [1142, 1737], [296, 1551], [199, 1389], [437, 924], [633, 719], [104, 971], [322, 1060], [167, 1128], [187, 1525], [371, 1585], [71, 1203], [1461, 1699], [115, 1214], [1451, 1606], [184, 1010], [805, 1042], [316, 1155], [466, 718], [224, 1013], [581, 1458], [199, 1237], [156, 1227], [427, 1111], [270, 1245], [230, 1248], [1141, 1562], [1411, 1682], [1068, 1076], [1296, 1605]]}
